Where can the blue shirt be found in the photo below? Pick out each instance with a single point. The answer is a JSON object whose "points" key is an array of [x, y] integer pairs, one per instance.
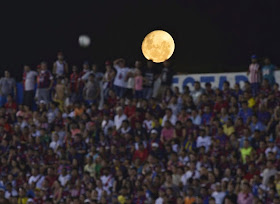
{"points": [[245, 114], [258, 126], [268, 73]]}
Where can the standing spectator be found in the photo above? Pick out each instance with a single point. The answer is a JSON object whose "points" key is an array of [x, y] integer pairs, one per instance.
{"points": [[7, 87], [60, 93], [166, 77], [254, 75], [268, 71], [120, 82], [29, 80], [130, 77], [45, 83], [138, 84], [60, 66], [74, 84], [149, 78], [91, 90], [108, 78]]}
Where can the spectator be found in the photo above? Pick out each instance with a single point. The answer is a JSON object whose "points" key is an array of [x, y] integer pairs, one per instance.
{"points": [[245, 196], [28, 85], [120, 83], [91, 90], [150, 76], [119, 118], [254, 77], [166, 76], [218, 194], [268, 71], [138, 84], [74, 84], [60, 66], [7, 87], [45, 83], [197, 92]]}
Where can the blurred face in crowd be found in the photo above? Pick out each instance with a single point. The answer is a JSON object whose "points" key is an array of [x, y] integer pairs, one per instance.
{"points": [[196, 86], [7, 74], [44, 66], [138, 64], [60, 56], [267, 61]]}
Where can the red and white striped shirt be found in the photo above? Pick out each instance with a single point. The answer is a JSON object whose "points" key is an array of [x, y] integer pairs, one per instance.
{"points": [[254, 70]]}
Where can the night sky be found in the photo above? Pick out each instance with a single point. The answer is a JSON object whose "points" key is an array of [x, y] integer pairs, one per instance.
{"points": [[209, 35]]}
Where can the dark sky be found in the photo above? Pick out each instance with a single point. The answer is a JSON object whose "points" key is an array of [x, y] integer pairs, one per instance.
{"points": [[213, 35]]}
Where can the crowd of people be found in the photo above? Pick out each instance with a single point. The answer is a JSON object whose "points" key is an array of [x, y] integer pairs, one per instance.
{"points": [[127, 136]]}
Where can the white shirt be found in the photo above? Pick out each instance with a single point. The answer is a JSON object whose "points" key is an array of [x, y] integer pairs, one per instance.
{"points": [[148, 125], [118, 120], [196, 120], [173, 120], [12, 193], [120, 76], [189, 174], [159, 201], [54, 145], [29, 84], [273, 149], [203, 141], [106, 125], [38, 179], [63, 179], [60, 68], [130, 81], [107, 182], [219, 197]]}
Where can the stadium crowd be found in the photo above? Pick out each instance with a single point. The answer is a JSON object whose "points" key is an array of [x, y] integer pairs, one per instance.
{"points": [[127, 136]]}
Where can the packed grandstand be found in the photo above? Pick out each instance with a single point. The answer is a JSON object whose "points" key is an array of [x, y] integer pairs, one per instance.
{"points": [[126, 135]]}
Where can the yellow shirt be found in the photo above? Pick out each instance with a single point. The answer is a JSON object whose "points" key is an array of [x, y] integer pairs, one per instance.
{"points": [[228, 130], [22, 200], [90, 169], [278, 187], [251, 102], [245, 152], [121, 199]]}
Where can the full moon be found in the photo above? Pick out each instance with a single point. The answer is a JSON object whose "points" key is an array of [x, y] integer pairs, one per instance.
{"points": [[158, 46]]}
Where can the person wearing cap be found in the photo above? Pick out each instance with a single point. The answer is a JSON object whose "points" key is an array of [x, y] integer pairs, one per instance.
{"points": [[254, 73], [44, 83], [60, 66]]}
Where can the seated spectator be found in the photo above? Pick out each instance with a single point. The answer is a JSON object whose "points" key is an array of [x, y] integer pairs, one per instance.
{"points": [[169, 115]]}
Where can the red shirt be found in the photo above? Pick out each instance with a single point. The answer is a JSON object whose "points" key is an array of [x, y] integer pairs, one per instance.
{"points": [[10, 106], [74, 82], [129, 110], [218, 106], [142, 155]]}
